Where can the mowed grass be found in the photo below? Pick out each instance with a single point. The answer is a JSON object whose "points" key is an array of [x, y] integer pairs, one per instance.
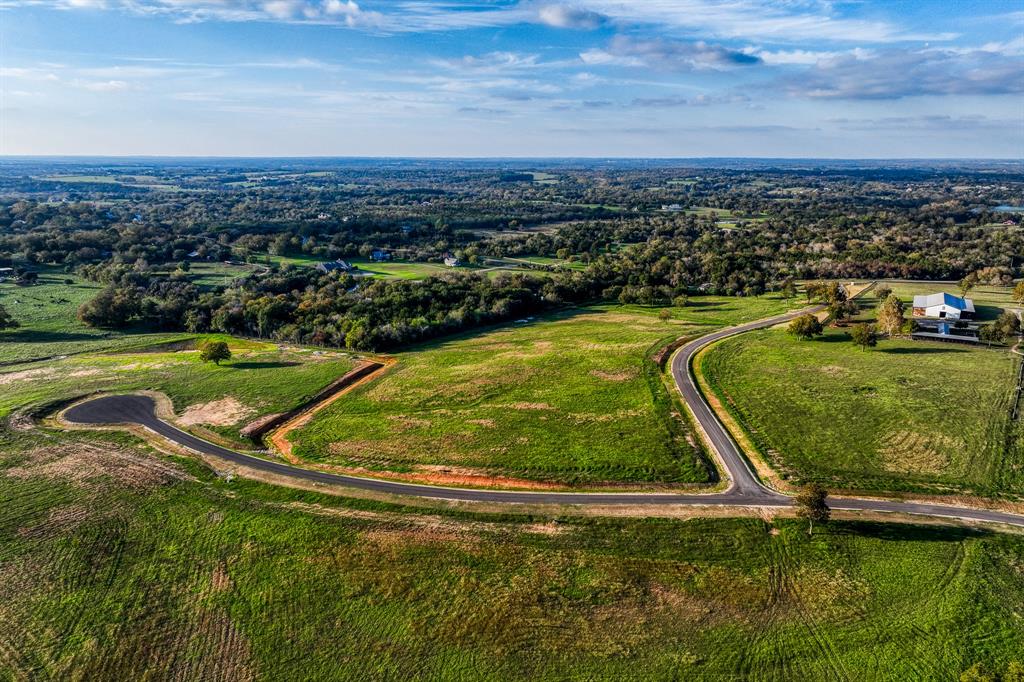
{"points": [[572, 398], [907, 415], [261, 379], [119, 564], [989, 301]]}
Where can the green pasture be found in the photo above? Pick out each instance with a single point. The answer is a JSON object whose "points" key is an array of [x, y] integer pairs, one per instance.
{"points": [[122, 564], [572, 398], [906, 415]]}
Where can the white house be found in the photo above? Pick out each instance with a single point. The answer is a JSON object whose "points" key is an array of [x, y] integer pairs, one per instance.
{"points": [[944, 306], [451, 261]]}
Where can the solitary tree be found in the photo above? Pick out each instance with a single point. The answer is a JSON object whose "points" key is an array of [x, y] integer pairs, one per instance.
{"points": [[214, 351], [882, 292], [834, 292], [967, 283], [863, 335], [891, 315], [680, 301], [814, 289], [788, 289], [806, 326], [664, 314], [811, 505], [1018, 292], [6, 321], [1006, 326], [840, 310]]}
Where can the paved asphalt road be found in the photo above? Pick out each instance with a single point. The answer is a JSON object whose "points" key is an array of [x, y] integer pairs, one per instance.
{"points": [[745, 489]]}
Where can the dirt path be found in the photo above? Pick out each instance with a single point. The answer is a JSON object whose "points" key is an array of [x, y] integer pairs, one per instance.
{"points": [[358, 376]]}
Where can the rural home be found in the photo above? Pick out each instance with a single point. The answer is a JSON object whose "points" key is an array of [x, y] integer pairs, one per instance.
{"points": [[451, 261], [334, 266], [380, 255], [944, 306]]}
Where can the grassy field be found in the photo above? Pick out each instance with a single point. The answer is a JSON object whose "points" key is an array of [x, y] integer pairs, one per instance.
{"points": [[46, 313], [261, 378], [907, 415], [568, 398], [989, 301], [121, 564]]}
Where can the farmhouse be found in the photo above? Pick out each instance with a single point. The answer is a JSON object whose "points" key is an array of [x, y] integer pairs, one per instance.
{"points": [[7, 273], [380, 255], [451, 261], [944, 306], [334, 266]]}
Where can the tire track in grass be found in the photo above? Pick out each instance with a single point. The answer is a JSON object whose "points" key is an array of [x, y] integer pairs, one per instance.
{"points": [[836, 666]]}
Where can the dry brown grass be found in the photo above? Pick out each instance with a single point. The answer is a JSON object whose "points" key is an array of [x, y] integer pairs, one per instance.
{"points": [[26, 375], [224, 412], [84, 462]]}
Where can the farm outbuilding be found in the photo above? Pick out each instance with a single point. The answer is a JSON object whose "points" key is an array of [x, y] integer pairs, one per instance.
{"points": [[944, 306]]}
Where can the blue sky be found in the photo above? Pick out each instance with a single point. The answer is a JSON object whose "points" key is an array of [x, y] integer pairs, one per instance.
{"points": [[668, 78]]}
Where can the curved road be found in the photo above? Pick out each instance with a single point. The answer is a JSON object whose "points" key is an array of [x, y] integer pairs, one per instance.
{"points": [[744, 490]]}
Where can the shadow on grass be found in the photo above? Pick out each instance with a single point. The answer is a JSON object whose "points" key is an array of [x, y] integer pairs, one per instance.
{"points": [[920, 351], [986, 313], [263, 365], [704, 304], [37, 336], [899, 532]]}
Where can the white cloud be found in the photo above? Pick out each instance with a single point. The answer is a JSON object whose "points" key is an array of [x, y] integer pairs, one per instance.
{"points": [[564, 16], [101, 86], [28, 74], [352, 14]]}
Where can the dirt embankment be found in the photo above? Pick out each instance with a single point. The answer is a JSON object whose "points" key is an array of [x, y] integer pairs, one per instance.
{"points": [[281, 425]]}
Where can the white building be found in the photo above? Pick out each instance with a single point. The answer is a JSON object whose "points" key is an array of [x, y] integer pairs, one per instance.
{"points": [[944, 306]]}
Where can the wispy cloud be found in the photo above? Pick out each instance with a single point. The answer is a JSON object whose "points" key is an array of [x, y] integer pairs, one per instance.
{"points": [[898, 73], [668, 55], [754, 20]]}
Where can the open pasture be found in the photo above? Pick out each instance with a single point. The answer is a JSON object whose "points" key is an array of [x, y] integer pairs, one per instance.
{"points": [[906, 415], [571, 398], [122, 564]]}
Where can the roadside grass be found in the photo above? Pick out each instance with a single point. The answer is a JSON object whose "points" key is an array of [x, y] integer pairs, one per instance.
{"points": [[567, 398], [121, 564], [905, 416], [261, 378]]}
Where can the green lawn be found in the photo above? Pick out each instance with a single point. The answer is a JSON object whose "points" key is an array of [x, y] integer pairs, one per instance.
{"points": [[120, 564], [907, 415], [568, 398], [399, 269], [388, 269], [260, 379], [989, 301]]}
